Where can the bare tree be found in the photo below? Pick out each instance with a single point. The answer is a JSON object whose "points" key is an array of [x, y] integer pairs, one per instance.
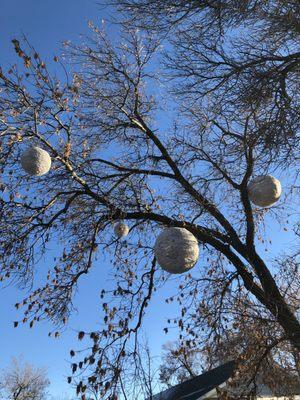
{"points": [[259, 366], [240, 54], [179, 363], [236, 116], [261, 363], [22, 381]]}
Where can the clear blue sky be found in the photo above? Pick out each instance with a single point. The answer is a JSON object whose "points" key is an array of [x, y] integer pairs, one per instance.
{"points": [[47, 23]]}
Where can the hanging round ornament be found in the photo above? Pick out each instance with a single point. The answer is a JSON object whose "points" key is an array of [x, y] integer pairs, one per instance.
{"points": [[264, 190], [121, 229], [176, 250], [36, 161]]}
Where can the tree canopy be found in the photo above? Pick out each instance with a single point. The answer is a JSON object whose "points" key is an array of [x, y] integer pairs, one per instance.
{"points": [[22, 381], [163, 126]]}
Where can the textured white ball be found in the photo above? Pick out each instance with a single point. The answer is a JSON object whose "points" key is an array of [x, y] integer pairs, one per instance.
{"points": [[36, 161], [176, 250], [121, 229], [264, 190]]}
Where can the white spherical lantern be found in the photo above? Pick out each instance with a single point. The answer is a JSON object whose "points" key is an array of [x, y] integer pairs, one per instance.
{"points": [[121, 229], [36, 161], [264, 190], [176, 250]]}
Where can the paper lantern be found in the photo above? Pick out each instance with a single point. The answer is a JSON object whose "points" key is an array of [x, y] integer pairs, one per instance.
{"points": [[36, 161], [176, 250], [121, 229], [264, 190]]}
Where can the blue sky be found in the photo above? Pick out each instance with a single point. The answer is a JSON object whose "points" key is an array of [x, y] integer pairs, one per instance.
{"points": [[46, 24]]}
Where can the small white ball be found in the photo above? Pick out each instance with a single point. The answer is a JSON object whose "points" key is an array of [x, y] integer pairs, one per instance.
{"points": [[176, 250], [36, 161], [121, 229], [264, 190]]}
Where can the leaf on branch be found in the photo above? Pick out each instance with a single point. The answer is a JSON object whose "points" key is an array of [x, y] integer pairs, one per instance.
{"points": [[81, 335]]}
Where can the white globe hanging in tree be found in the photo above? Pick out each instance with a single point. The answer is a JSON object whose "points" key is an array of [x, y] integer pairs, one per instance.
{"points": [[36, 161], [176, 250], [121, 229], [264, 190]]}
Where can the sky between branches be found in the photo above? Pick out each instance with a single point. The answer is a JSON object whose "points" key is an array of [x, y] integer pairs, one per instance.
{"points": [[46, 24]]}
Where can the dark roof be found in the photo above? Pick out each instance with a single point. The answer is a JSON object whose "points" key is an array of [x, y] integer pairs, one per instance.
{"points": [[198, 386]]}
